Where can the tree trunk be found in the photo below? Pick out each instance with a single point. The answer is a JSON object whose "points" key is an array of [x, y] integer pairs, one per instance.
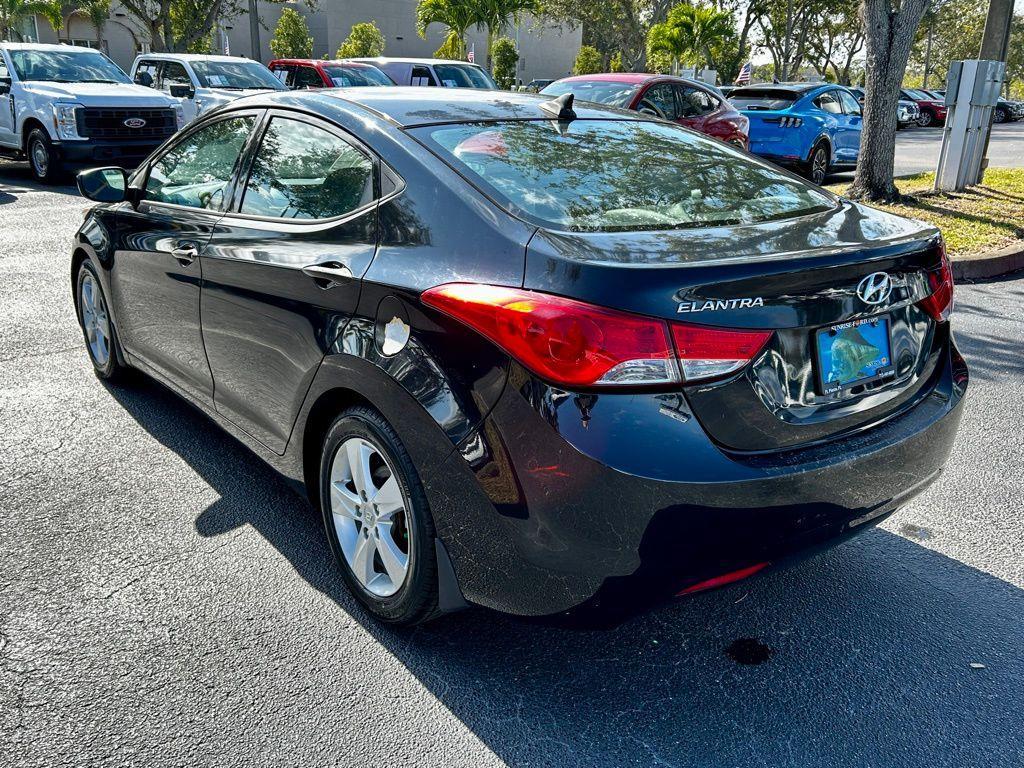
{"points": [[889, 36]]}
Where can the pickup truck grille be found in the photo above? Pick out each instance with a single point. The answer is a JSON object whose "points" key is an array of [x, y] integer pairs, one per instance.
{"points": [[108, 123]]}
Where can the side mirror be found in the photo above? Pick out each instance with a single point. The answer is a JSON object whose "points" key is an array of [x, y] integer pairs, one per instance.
{"points": [[104, 185], [142, 77], [5, 85], [181, 91]]}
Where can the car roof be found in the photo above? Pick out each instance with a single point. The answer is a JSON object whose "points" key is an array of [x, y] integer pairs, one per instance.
{"points": [[191, 57], [416, 105], [320, 62], [376, 60], [794, 87], [633, 77], [46, 47]]}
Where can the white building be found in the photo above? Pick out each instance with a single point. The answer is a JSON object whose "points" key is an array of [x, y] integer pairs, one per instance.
{"points": [[544, 51]]}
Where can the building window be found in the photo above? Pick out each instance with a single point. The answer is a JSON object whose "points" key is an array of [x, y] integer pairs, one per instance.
{"points": [[102, 46], [27, 30]]}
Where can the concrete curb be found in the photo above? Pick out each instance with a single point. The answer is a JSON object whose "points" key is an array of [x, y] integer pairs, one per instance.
{"points": [[992, 264]]}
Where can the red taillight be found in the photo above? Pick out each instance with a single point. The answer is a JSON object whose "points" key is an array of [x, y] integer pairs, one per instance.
{"points": [[706, 352], [939, 304], [572, 343], [561, 340]]}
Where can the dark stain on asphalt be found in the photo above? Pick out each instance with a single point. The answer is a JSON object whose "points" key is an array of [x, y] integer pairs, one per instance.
{"points": [[748, 650]]}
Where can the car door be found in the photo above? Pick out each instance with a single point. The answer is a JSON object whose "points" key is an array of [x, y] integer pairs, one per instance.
{"points": [[157, 270], [694, 105], [174, 73], [282, 272], [835, 124], [7, 136], [854, 124]]}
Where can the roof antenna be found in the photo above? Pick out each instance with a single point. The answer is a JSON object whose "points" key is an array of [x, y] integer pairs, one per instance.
{"points": [[560, 107]]}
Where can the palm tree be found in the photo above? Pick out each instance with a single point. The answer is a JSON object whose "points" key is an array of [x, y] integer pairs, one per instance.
{"points": [[457, 15], [97, 11], [14, 12], [689, 31], [495, 15]]}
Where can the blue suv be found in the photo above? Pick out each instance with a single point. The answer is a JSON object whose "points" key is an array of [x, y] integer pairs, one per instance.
{"points": [[813, 127]]}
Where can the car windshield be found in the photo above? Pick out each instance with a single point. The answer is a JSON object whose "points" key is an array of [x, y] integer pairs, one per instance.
{"points": [[763, 98], [619, 175], [235, 75], [600, 91], [352, 77], [918, 95], [66, 67], [463, 76]]}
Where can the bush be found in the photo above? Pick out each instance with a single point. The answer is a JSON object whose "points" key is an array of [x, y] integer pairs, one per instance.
{"points": [[588, 61], [616, 64], [291, 38], [365, 39], [504, 58]]}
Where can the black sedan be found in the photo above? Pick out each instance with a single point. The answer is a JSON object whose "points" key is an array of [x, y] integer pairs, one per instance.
{"points": [[525, 355]]}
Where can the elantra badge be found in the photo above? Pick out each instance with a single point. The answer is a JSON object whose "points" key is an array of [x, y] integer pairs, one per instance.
{"points": [[135, 122], [718, 304], [875, 288]]}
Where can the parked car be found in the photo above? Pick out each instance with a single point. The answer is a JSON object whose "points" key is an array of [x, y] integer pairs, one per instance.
{"points": [[529, 367], [1007, 111], [318, 73], [727, 89], [907, 111], [686, 102], [64, 106], [813, 127], [433, 72], [200, 82], [933, 110], [535, 85]]}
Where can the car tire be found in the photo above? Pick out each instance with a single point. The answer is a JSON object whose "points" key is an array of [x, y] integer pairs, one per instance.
{"points": [[386, 554], [926, 119], [816, 168], [1000, 116], [43, 160], [98, 329]]}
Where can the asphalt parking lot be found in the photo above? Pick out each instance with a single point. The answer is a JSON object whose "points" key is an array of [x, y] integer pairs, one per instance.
{"points": [[166, 601]]}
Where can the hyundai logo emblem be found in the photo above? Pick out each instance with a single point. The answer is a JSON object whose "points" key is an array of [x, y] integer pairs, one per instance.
{"points": [[135, 122], [875, 288]]}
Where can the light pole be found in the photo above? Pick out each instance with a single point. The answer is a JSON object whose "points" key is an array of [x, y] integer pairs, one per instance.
{"points": [[254, 31]]}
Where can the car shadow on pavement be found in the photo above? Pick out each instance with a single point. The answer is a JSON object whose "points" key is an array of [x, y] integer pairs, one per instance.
{"points": [[860, 656], [16, 180]]}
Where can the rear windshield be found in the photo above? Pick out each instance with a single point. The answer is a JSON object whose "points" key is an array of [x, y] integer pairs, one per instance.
{"points": [[618, 175], [463, 76], [353, 77], [600, 91], [763, 98], [235, 75]]}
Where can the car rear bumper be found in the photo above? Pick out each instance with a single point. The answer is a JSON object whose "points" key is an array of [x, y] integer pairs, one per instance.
{"points": [[127, 153], [566, 500]]}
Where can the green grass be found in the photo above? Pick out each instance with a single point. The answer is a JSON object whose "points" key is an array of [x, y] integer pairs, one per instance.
{"points": [[977, 220]]}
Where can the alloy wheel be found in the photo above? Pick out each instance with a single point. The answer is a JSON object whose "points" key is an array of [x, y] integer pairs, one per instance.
{"points": [[925, 120], [819, 165], [1000, 116], [370, 517], [95, 320]]}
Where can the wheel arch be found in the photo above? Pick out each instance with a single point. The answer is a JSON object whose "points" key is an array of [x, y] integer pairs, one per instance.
{"points": [[819, 139], [31, 123]]}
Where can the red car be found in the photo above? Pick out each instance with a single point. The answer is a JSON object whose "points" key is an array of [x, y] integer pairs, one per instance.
{"points": [[317, 73], [692, 104], [933, 110]]}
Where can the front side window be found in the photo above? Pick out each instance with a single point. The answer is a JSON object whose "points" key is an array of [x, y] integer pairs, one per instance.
{"points": [[659, 100], [305, 172], [356, 77], [151, 68], [599, 91], [693, 102], [173, 74], [849, 103], [422, 76], [66, 67], [619, 175], [235, 75], [196, 171]]}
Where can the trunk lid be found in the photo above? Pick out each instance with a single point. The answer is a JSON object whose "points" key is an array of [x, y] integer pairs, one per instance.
{"points": [[794, 278]]}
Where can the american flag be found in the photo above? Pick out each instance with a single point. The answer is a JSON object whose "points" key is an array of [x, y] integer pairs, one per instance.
{"points": [[471, 56], [744, 75]]}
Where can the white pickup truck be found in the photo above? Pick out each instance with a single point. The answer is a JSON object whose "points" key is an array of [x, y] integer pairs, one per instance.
{"points": [[63, 106], [200, 82]]}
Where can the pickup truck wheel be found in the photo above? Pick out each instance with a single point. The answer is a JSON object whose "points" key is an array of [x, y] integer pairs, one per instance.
{"points": [[42, 158]]}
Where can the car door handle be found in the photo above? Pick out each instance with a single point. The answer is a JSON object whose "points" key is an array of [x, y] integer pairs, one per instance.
{"points": [[329, 274], [185, 253]]}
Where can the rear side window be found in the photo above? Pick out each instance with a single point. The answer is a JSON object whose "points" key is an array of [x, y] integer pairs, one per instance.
{"points": [[307, 77], [463, 76], [195, 172], [829, 103], [422, 76], [305, 172], [618, 175], [763, 98]]}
